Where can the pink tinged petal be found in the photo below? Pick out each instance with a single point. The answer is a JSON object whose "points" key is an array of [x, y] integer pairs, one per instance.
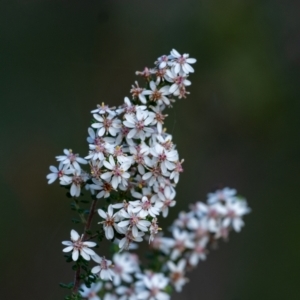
{"points": [[106, 175], [96, 270], [107, 165], [175, 53], [97, 125], [85, 255], [73, 190], [88, 251], [90, 244], [81, 160], [68, 249], [75, 254], [53, 169], [123, 223], [187, 68], [112, 161], [102, 213], [147, 176], [177, 68], [131, 133], [135, 231], [191, 60], [110, 210], [101, 131], [153, 86], [67, 243], [165, 99], [115, 182], [74, 235], [105, 275], [52, 177], [173, 88], [109, 232]]}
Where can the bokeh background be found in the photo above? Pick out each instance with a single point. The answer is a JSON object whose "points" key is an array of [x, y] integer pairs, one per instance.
{"points": [[238, 128]]}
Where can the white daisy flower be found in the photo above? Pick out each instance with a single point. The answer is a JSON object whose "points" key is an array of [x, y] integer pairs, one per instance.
{"points": [[79, 247], [103, 269], [182, 62]]}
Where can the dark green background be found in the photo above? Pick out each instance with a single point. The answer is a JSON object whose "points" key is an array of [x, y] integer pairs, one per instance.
{"points": [[239, 127]]}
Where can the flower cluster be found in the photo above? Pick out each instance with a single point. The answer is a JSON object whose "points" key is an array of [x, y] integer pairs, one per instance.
{"points": [[133, 170], [192, 234], [129, 152]]}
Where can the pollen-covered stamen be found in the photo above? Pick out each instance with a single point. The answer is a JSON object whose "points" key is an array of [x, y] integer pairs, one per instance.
{"points": [[134, 220], [179, 80], [213, 213], [231, 213], [146, 205], [118, 151], [107, 123], [77, 180], [110, 221], [139, 125], [136, 91], [117, 171], [181, 60], [154, 291], [95, 171], [168, 145], [103, 264], [162, 157], [98, 140], [178, 166], [71, 156], [156, 95], [107, 187], [175, 276], [159, 117], [60, 173]]}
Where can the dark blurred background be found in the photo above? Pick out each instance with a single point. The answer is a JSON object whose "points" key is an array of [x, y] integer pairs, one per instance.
{"points": [[239, 127]]}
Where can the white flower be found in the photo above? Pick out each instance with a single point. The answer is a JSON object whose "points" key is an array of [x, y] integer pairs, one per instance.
{"points": [[158, 119], [152, 287], [102, 109], [117, 173], [109, 223], [166, 158], [153, 229], [162, 61], [176, 171], [104, 269], [182, 62], [104, 187], [137, 93], [146, 206], [158, 96], [79, 247], [123, 267], [139, 123], [126, 241], [168, 200], [134, 223], [199, 251], [107, 125], [226, 195], [71, 159], [91, 293], [177, 274], [178, 82], [234, 214], [183, 241], [59, 172]]}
